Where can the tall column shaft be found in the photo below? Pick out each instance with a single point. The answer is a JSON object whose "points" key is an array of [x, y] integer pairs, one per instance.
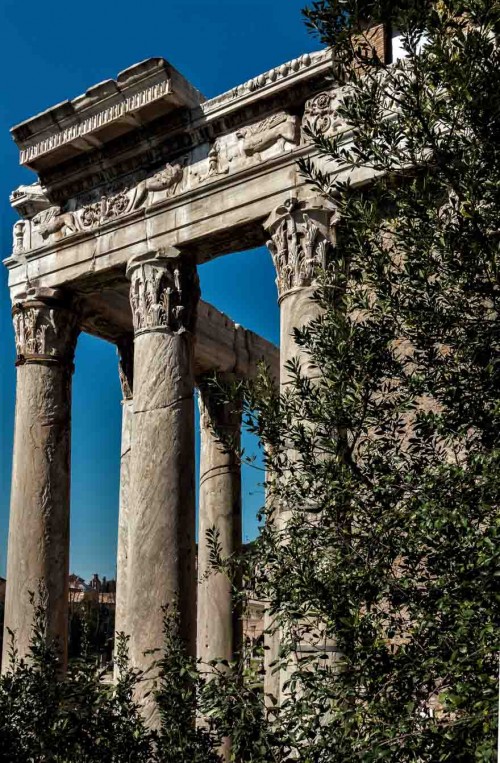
{"points": [[301, 238], [219, 624], [38, 550], [126, 351], [297, 309], [161, 561]]}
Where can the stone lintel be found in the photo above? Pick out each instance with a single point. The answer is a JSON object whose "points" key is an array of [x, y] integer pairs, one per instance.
{"points": [[142, 94], [226, 347], [221, 344]]}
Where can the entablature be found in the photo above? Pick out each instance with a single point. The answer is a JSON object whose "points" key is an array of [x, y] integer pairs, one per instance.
{"points": [[202, 176], [107, 137]]}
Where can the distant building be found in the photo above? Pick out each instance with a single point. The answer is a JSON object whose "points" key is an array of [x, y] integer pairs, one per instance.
{"points": [[99, 592], [76, 583], [102, 591]]}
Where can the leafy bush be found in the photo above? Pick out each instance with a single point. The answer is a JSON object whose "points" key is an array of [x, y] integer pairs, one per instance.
{"points": [[79, 719]]}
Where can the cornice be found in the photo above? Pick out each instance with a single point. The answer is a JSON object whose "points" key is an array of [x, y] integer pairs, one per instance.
{"points": [[278, 78], [137, 96]]}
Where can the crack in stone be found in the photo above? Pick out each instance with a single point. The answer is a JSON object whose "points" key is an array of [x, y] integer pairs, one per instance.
{"points": [[164, 407]]}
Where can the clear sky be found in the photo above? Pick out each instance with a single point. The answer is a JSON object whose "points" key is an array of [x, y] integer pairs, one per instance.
{"points": [[53, 51]]}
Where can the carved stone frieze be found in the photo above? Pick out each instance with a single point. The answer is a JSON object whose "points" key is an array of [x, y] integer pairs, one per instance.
{"points": [[54, 220], [44, 331], [232, 152], [176, 156], [182, 134], [302, 236], [106, 203], [167, 179], [281, 129], [213, 166], [214, 161], [164, 292], [90, 210], [321, 115]]}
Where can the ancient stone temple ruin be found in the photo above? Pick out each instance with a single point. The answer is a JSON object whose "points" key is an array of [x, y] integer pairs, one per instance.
{"points": [[141, 181]]}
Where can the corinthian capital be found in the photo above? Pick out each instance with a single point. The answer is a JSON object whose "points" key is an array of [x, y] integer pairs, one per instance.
{"points": [[164, 292], [302, 235], [45, 331]]}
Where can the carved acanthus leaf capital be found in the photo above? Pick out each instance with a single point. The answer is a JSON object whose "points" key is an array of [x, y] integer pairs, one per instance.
{"points": [[164, 292], [302, 237], [45, 331]]}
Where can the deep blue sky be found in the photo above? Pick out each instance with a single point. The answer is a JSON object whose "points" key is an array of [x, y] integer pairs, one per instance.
{"points": [[53, 51]]}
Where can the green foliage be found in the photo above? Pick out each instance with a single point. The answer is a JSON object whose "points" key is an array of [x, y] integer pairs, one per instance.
{"points": [[76, 718], [232, 702], [181, 739], [386, 467], [45, 718]]}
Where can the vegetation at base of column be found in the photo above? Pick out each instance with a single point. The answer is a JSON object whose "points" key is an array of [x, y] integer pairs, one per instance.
{"points": [[78, 718]]}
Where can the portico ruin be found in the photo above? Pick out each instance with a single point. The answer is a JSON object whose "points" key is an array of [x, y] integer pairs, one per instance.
{"points": [[141, 181]]}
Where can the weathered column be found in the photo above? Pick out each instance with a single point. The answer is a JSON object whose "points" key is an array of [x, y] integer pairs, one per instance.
{"points": [[161, 559], [302, 235], [38, 552], [271, 634], [219, 621], [126, 352]]}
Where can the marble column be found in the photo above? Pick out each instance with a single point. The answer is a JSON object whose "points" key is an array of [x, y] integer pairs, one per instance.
{"points": [[219, 626], [271, 634], [38, 551], [126, 368], [302, 236], [164, 293]]}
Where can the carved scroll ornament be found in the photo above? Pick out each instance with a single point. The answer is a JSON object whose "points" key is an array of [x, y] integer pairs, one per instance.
{"points": [[321, 115]]}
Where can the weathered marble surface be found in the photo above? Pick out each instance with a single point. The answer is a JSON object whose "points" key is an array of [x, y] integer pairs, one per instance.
{"points": [[161, 549], [302, 237], [161, 563], [121, 625], [38, 550], [126, 352], [219, 622], [127, 171], [204, 175]]}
